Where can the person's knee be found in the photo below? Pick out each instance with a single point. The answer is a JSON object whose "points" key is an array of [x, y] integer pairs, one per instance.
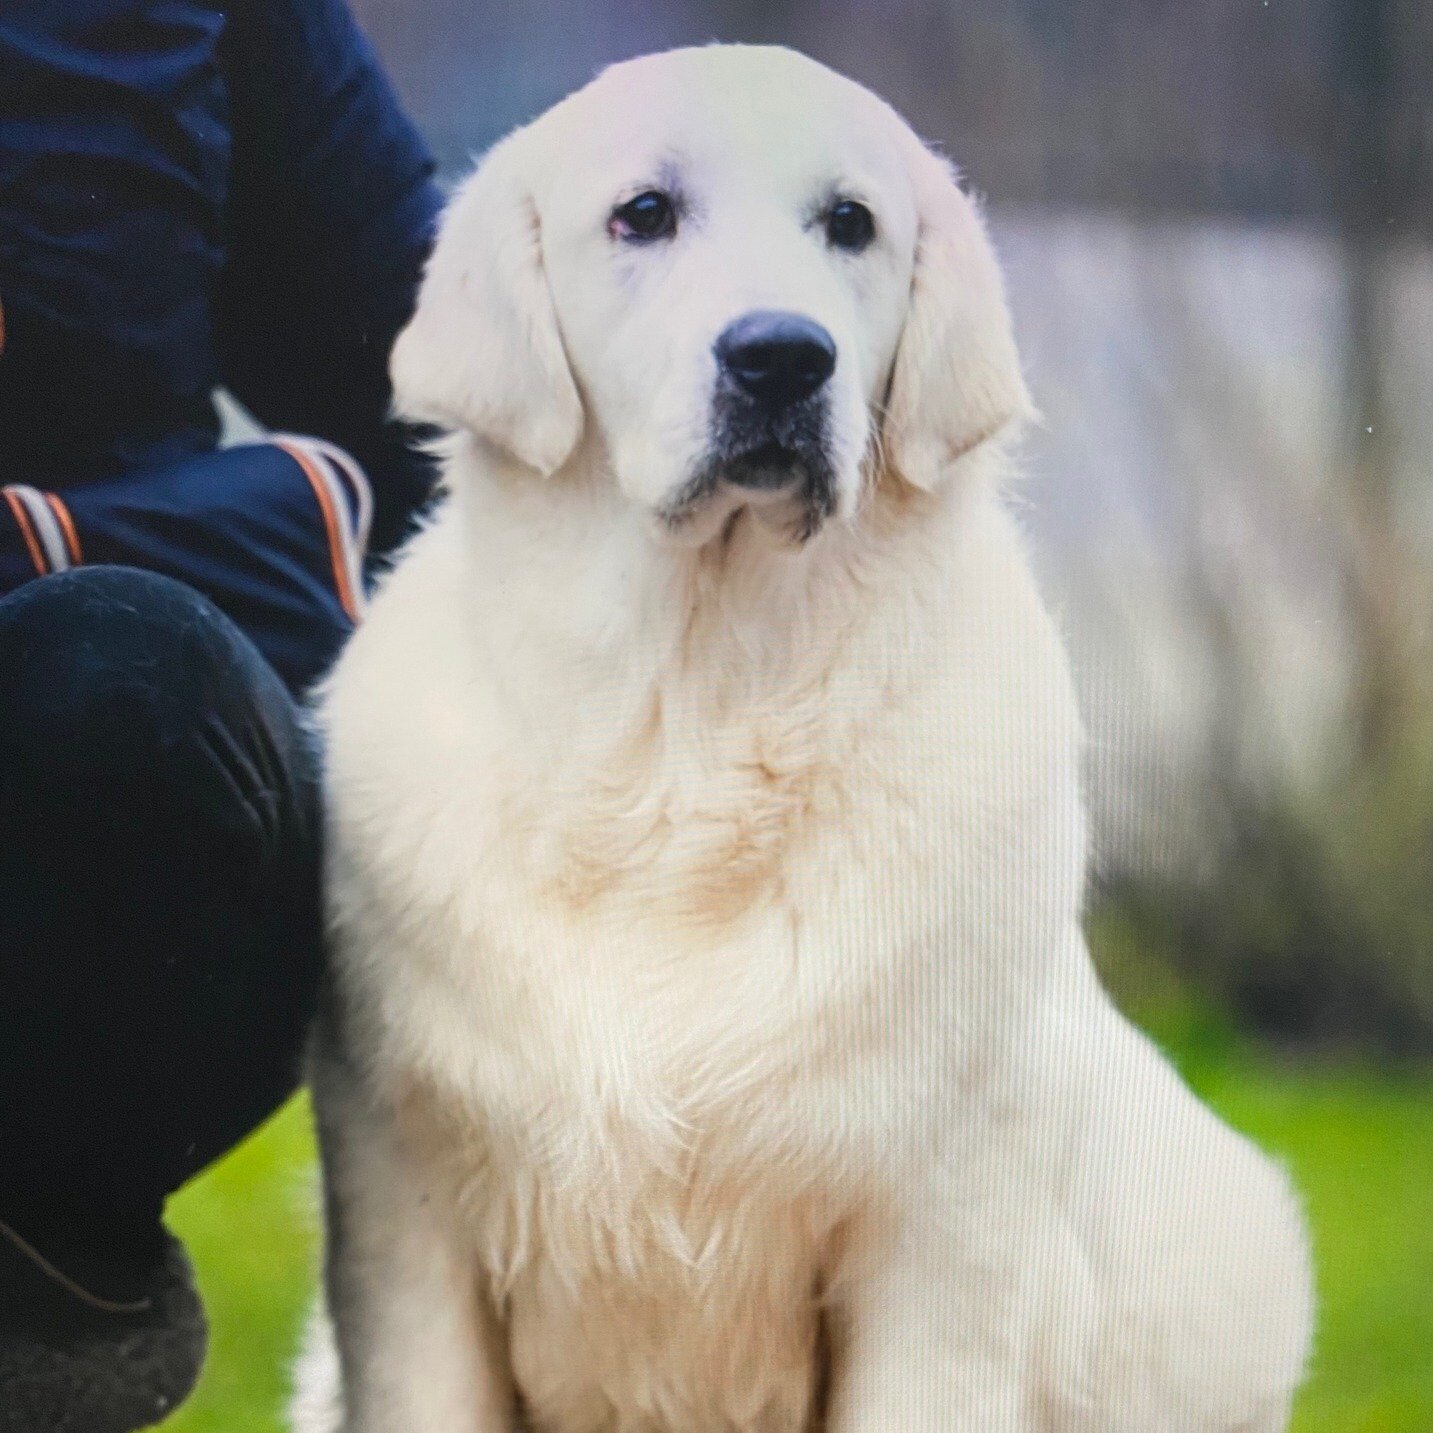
{"points": [[127, 700], [160, 928]]}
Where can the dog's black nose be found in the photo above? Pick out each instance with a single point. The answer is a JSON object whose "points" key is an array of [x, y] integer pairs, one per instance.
{"points": [[779, 358]]}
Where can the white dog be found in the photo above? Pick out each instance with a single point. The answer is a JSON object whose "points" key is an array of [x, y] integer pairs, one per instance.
{"points": [[712, 1044]]}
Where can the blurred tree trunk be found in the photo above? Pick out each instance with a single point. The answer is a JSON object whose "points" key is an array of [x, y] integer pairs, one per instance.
{"points": [[1386, 585]]}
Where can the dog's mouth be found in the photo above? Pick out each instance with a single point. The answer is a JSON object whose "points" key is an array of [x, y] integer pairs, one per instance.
{"points": [[780, 468], [768, 465]]}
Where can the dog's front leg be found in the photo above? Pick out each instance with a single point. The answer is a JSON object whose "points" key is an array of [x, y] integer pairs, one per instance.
{"points": [[912, 1354], [418, 1346], [935, 1315]]}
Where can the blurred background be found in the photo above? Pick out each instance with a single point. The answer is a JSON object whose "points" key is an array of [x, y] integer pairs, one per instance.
{"points": [[1216, 217]]}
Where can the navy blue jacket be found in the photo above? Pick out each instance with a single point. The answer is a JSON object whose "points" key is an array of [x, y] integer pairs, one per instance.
{"points": [[193, 194]]}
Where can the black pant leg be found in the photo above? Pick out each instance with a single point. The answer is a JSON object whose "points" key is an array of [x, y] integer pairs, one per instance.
{"points": [[160, 915]]}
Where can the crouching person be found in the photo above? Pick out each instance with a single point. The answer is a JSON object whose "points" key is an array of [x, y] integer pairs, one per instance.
{"points": [[191, 195]]}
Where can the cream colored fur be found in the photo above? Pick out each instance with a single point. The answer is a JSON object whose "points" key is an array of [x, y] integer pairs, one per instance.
{"points": [[712, 1032]]}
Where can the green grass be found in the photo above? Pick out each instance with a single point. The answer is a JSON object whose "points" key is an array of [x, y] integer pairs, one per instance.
{"points": [[1359, 1142], [251, 1226]]}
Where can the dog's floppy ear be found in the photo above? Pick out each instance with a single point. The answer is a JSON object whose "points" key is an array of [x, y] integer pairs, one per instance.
{"points": [[956, 381], [483, 350]]}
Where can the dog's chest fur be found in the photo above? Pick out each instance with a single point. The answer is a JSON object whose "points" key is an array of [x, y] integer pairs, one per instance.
{"points": [[641, 1142]]}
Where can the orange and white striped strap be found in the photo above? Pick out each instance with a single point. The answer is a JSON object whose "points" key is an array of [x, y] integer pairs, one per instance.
{"points": [[46, 526], [345, 500]]}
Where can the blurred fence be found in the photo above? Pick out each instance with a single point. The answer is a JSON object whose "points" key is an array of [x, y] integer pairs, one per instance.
{"points": [[1218, 225]]}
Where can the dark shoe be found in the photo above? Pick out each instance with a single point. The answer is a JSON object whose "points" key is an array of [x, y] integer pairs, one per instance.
{"points": [[96, 1343]]}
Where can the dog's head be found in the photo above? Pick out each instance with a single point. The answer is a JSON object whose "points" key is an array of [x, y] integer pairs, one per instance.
{"points": [[739, 275]]}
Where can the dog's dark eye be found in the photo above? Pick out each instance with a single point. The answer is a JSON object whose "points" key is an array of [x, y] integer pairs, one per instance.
{"points": [[651, 215], [850, 226]]}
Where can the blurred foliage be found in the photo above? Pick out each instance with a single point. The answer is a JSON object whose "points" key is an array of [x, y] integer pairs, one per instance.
{"points": [[1359, 1142], [1315, 920]]}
